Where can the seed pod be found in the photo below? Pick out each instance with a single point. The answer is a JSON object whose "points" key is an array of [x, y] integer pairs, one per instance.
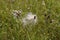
{"points": [[34, 17]]}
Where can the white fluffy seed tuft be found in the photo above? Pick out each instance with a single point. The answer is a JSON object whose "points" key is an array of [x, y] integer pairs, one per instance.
{"points": [[29, 19], [16, 13]]}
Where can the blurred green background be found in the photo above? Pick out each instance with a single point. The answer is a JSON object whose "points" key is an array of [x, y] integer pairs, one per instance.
{"points": [[47, 27]]}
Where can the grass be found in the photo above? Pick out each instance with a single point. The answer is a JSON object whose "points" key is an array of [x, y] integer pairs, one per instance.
{"points": [[45, 29]]}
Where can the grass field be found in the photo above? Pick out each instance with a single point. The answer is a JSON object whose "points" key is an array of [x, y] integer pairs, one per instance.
{"points": [[47, 27]]}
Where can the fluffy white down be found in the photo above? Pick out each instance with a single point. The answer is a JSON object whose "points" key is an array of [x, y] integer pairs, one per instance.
{"points": [[29, 19]]}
